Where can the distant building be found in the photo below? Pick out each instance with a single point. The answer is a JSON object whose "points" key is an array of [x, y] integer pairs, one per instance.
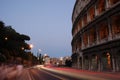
{"points": [[66, 58], [96, 35], [59, 61], [54, 61], [46, 60], [62, 60]]}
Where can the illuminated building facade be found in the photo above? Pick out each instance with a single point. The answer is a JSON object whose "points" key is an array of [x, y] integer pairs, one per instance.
{"points": [[96, 35], [46, 60]]}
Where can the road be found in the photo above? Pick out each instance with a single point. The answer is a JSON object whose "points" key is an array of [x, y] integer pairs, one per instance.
{"points": [[52, 73], [13, 73], [36, 74], [41, 74]]}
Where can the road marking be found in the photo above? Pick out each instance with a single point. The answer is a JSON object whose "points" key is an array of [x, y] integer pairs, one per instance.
{"points": [[30, 76], [61, 78], [75, 75]]}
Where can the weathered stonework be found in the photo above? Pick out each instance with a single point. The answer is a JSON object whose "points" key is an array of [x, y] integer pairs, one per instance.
{"points": [[96, 35]]}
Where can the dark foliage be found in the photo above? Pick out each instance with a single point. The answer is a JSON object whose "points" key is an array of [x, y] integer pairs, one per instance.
{"points": [[12, 43]]}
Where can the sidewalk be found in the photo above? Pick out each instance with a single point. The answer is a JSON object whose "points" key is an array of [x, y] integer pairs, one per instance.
{"points": [[105, 75]]}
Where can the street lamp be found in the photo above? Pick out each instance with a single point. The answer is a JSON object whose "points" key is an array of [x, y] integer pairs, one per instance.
{"points": [[39, 50], [22, 48], [39, 56], [45, 55], [31, 46], [6, 38]]}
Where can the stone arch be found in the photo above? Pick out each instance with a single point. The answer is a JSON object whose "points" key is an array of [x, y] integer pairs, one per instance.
{"points": [[106, 61], [74, 59], [94, 62], [86, 62]]}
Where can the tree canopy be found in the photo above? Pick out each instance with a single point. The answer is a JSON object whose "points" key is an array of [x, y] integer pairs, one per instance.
{"points": [[12, 43]]}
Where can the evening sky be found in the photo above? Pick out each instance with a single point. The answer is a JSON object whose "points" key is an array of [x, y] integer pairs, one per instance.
{"points": [[47, 22]]}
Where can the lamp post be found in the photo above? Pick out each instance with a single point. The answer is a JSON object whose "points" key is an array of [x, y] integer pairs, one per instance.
{"points": [[39, 56], [39, 53]]}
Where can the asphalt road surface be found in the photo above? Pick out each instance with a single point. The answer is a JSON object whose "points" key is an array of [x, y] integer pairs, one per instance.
{"points": [[46, 73], [20, 73], [41, 74]]}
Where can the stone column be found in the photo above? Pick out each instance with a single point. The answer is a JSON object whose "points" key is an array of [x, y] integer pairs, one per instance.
{"points": [[89, 58], [117, 66], [82, 62], [106, 5], [82, 42], [99, 63], [88, 38], [96, 10], [78, 61], [82, 23], [97, 33], [113, 64], [117, 62], [110, 29], [88, 17], [78, 27]]}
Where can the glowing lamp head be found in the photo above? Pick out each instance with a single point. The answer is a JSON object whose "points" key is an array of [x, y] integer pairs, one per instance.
{"points": [[22, 48], [6, 38], [31, 46]]}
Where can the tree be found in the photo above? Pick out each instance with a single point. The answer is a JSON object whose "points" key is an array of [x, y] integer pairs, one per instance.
{"points": [[12, 43]]}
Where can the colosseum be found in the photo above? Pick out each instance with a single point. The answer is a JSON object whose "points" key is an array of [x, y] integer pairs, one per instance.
{"points": [[96, 35]]}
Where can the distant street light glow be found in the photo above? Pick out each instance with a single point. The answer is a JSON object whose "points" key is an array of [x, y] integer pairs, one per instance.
{"points": [[31, 46], [39, 50], [6, 38], [61, 58], [45, 54], [22, 48]]}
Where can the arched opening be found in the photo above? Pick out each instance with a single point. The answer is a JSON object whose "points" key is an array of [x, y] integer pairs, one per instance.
{"points": [[92, 36], [85, 39], [86, 63], [115, 22], [94, 62], [80, 24], [106, 61], [85, 20], [91, 13], [100, 6], [103, 30], [74, 59]]}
